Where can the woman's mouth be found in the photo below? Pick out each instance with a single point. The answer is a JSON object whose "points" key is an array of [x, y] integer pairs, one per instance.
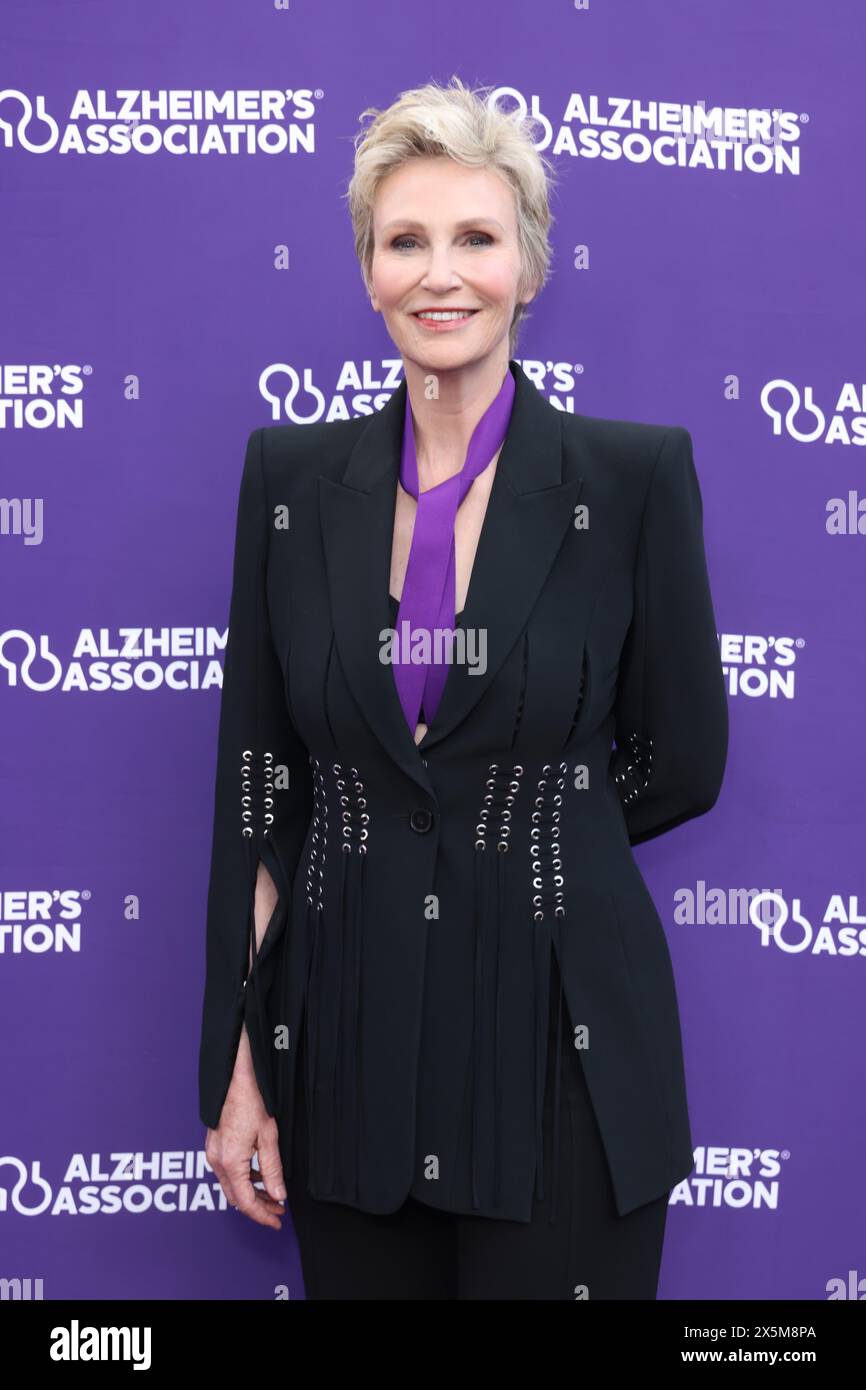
{"points": [[444, 320]]}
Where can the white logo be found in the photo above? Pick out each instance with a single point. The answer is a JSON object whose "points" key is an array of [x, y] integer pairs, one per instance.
{"points": [[40, 397], [90, 1343], [841, 429], [757, 666], [39, 921], [365, 388], [730, 1177], [842, 931], [801, 936], [363, 391], [133, 658], [687, 135], [174, 1181], [178, 122]]}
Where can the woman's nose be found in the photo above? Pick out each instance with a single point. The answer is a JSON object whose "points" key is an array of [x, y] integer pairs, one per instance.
{"points": [[439, 271]]}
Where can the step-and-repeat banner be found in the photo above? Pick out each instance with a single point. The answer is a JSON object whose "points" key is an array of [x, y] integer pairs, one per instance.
{"points": [[178, 268]]}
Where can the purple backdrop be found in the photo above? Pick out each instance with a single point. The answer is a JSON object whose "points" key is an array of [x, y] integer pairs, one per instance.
{"points": [[150, 321]]}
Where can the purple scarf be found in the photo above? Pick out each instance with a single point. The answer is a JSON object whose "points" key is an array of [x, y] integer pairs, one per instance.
{"points": [[429, 588]]}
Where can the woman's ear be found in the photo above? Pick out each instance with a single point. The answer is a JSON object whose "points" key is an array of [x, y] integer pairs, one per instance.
{"points": [[530, 294]]}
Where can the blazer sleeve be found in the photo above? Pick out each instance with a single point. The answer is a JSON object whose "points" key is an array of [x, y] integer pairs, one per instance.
{"points": [[671, 710], [262, 798]]}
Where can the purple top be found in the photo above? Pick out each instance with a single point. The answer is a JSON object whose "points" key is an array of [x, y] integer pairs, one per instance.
{"points": [[429, 587]]}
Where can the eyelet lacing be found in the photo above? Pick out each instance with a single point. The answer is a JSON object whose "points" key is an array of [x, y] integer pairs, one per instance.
{"points": [[257, 817], [315, 907], [353, 837], [548, 901], [636, 772]]}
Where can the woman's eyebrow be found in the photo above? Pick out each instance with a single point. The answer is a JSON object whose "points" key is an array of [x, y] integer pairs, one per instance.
{"points": [[460, 226]]}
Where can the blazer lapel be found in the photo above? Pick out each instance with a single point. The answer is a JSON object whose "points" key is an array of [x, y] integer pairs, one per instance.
{"points": [[357, 519], [528, 514]]}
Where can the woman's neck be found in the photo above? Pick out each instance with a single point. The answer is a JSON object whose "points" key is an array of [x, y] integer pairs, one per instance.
{"points": [[443, 424]]}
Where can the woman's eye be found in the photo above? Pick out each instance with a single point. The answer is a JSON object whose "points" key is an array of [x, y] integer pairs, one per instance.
{"points": [[486, 240]]}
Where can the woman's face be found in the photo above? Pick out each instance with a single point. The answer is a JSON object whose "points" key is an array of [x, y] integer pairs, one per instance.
{"points": [[445, 238]]}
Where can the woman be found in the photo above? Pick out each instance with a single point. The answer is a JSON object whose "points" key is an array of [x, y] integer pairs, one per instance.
{"points": [[439, 1000]]}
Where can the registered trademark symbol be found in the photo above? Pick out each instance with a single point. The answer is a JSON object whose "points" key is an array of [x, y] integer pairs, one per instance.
{"points": [[578, 367], [87, 370], [800, 642], [85, 893], [786, 1153], [318, 94], [805, 118]]}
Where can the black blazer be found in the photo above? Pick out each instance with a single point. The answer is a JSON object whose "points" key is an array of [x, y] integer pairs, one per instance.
{"points": [[421, 889]]}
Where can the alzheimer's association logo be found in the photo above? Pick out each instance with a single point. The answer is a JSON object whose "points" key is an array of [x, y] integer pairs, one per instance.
{"points": [[120, 659], [182, 122], [105, 1184], [802, 419]]}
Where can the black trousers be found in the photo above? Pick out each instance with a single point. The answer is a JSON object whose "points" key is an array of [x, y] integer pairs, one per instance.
{"points": [[587, 1252]]}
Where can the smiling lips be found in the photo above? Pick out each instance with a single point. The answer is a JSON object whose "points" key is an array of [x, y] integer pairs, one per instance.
{"points": [[444, 318]]}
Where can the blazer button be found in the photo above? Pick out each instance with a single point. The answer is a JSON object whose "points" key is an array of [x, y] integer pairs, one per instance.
{"points": [[421, 821]]}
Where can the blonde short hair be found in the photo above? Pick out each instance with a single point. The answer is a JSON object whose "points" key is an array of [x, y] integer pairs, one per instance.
{"points": [[456, 122]]}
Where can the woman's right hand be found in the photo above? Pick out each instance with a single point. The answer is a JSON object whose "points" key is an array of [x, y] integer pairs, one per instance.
{"points": [[245, 1128]]}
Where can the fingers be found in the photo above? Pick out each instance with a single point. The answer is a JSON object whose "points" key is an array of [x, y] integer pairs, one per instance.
{"points": [[258, 1206], [236, 1176]]}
